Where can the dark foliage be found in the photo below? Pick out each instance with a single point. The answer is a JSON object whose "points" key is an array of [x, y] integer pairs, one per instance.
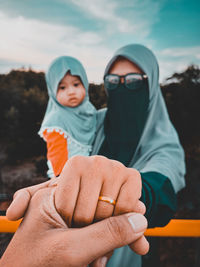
{"points": [[182, 97], [97, 95], [23, 98]]}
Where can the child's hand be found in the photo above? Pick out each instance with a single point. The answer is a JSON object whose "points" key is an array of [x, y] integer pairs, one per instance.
{"points": [[22, 198]]}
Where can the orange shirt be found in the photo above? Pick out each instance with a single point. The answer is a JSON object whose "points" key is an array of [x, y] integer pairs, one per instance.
{"points": [[57, 152]]}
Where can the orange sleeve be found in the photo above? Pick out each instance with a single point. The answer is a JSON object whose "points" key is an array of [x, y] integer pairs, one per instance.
{"points": [[57, 152]]}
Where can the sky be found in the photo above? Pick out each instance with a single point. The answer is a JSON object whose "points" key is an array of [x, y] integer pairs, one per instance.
{"points": [[35, 32]]}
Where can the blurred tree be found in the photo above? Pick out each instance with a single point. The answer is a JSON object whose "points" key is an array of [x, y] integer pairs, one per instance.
{"points": [[23, 99], [182, 95], [97, 95]]}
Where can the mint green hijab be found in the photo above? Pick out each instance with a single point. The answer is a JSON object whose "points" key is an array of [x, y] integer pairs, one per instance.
{"points": [[158, 149], [78, 122]]}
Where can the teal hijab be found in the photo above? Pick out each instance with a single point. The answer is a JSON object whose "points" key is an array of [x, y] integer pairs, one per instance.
{"points": [[124, 122], [79, 122], [158, 148]]}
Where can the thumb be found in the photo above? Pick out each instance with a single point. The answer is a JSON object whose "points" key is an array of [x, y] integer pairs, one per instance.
{"points": [[102, 237], [20, 202], [22, 198]]}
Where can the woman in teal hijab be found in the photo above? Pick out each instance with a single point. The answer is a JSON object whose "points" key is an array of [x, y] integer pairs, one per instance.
{"points": [[135, 129]]}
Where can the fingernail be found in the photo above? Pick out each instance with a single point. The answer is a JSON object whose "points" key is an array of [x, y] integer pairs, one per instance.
{"points": [[138, 222], [104, 261]]}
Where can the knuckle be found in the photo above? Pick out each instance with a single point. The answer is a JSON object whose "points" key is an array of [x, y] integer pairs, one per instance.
{"points": [[134, 174], [76, 159], [77, 163], [118, 169], [117, 164], [117, 230], [98, 164], [98, 160]]}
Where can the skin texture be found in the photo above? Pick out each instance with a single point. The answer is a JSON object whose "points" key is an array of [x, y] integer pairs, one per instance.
{"points": [[71, 91], [44, 239]]}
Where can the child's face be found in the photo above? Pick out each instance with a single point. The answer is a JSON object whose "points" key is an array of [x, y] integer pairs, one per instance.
{"points": [[71, 91]]}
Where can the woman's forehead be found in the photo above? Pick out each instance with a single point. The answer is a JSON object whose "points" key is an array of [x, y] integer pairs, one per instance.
{"points": [[122, 66]]}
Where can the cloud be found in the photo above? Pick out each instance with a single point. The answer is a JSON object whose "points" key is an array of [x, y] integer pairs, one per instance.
{"points": [[182, 52], [177, 59], [136, 17], [35, 43], [30, 42], [26, 38]]}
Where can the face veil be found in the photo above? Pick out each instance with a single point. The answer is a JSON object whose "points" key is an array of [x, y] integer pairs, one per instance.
{"points": [[124, 121]]}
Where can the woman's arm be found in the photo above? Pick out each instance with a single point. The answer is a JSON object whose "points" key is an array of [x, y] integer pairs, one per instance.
{"points": [[159, 197]]}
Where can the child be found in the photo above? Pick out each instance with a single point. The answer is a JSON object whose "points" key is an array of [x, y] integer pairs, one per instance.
{"points": [[69, 124]]}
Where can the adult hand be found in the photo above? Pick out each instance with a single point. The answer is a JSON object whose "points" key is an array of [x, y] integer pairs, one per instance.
{"points": [[79, 186], [43, 238], [84, 178]]}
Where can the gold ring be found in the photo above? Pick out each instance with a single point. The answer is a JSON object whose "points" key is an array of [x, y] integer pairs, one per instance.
{"points": [[108, 200]]}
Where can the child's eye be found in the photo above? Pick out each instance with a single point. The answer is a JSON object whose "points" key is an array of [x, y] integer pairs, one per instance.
{"points": [[61, 87], [76, 84]]}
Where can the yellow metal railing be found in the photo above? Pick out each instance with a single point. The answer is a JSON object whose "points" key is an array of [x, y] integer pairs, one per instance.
{"points": [[175, 228]]}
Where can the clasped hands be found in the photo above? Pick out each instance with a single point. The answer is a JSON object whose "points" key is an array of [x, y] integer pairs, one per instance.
{"points": [[72, 200]]}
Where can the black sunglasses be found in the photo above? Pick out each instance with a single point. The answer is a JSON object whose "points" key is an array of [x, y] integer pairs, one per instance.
{"points": [[131, 80]]}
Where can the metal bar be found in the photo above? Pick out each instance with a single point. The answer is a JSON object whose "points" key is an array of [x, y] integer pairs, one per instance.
{"points": [[7, 226], [175, 228]]}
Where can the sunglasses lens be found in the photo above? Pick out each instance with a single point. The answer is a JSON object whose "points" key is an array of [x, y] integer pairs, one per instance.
{"points": [[133, 81], [111, 81]]}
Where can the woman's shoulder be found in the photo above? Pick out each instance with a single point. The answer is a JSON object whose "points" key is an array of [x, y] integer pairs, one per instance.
{"points": [[100, 116], [101, 113]]}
